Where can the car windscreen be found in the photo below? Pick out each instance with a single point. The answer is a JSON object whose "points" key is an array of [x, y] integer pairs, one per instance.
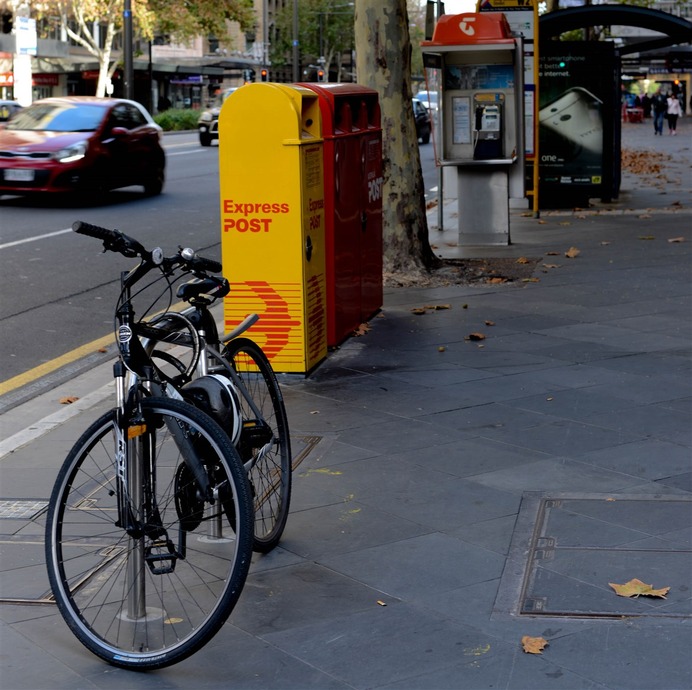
{"points": [[60, 117]]}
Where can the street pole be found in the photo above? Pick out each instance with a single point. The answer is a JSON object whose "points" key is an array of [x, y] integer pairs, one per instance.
{"points": [[128, 71], [296, 44]]}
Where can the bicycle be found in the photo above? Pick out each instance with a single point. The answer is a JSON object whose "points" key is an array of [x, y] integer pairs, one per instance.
{"points": [[150, 524]]}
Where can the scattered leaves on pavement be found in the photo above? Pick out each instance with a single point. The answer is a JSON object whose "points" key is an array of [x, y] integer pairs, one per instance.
{"points": [[572, 253], [533, 645], [636, 588], [475, 336], [429, 307]]}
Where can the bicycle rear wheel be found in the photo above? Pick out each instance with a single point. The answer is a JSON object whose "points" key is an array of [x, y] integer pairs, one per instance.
{"points": [[264, 444], [151, 595]]}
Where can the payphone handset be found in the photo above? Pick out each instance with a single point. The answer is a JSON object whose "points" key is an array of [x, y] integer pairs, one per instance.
{"points": [[488, 126]]}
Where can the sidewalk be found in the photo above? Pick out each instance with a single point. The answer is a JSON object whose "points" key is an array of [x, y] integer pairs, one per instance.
{"points": [[452, 495]]}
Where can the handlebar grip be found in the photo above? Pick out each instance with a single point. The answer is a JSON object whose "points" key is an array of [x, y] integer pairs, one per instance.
{"points": [[96, 231], [198, 263], [113, 240], [207, 264]]}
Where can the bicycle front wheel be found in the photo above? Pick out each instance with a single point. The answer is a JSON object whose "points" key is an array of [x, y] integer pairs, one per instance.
{"points": [[149, 593], [264, 444]]}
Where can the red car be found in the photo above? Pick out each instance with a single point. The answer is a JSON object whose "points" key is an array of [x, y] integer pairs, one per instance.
{"points": [[81, 144]]}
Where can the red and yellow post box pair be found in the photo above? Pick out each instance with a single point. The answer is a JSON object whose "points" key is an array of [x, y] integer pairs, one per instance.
{"points": [[287, 248]]}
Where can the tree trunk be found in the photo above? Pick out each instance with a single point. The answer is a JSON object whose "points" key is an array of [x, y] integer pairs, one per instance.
{"points": [[383, 63]]}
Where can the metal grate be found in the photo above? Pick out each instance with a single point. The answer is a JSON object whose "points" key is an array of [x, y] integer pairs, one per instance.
{"points": [[567, 548], [21, 508]]}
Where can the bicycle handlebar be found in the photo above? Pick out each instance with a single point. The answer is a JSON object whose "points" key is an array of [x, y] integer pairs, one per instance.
{"points": [[113, 240], [116, 241], [200, 263]]}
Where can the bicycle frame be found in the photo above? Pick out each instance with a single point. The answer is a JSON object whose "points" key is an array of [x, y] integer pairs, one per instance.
{"points": [[209, 359]]}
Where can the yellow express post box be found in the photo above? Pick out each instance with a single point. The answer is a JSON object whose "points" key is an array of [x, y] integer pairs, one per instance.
{"points": [[272, 220]]}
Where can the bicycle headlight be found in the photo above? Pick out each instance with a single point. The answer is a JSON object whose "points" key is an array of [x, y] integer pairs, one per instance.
{"points": [[71, 153], [206, 117]]}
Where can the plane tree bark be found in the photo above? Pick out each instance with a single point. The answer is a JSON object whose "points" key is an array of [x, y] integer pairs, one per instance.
{"points": [[383, 63]]}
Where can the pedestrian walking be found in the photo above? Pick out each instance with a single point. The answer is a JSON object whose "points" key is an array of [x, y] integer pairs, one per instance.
{"points": [[659, 107], [673, 112]]}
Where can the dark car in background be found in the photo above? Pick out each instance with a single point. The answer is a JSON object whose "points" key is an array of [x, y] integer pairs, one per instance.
{"points": [[422, 117], [81, 144], [208, 123]]}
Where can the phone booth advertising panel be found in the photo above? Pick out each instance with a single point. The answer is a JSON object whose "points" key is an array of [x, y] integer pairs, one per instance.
{"points": [[272, 221], [480, 70]]}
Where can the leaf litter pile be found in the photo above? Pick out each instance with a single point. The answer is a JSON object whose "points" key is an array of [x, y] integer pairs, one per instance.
{"points": [[493, 271]]}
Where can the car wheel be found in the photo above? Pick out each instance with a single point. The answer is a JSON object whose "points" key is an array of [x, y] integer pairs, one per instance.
{"points": [[154, 185], [205, 138]]}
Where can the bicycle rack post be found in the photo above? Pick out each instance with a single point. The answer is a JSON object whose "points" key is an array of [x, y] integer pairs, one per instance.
{"points": [[135, 603]]}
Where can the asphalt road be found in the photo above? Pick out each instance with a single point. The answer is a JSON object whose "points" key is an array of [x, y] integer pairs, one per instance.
{"points": [[59, 289]]}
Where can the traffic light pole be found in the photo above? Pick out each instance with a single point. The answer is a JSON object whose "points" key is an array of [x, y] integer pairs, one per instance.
{"points": [[128, 70]]}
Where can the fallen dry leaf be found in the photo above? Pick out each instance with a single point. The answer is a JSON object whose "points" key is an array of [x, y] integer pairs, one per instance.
{"points": [[531, 280], [605, 243], [102, 349], [475, 336], [435, 307], [441, 348], [362, 329], [489, 323], [636, 588], [647, 237], [552, 253], [533, 645], [676, 239], [419, 310], [572, 253], [523, 260], [565, 222], [551, 266], [644, 216], [68, 400], [497, 281]]}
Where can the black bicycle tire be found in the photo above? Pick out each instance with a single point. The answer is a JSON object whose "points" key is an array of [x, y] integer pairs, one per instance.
{"points": [[265, 541], [232, 586]]}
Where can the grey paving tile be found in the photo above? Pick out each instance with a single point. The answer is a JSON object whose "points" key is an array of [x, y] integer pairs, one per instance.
{"points": [[427, 497], [22, 667], [561, 437], [384, 645], [586, 403], [474, 419], [399, 434], [510, 668], [648, 459], [342, 527], [468, 457], [559, 474], [593, 653], [625, 339], [657, 420], [300, 595], [383, 568]]}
